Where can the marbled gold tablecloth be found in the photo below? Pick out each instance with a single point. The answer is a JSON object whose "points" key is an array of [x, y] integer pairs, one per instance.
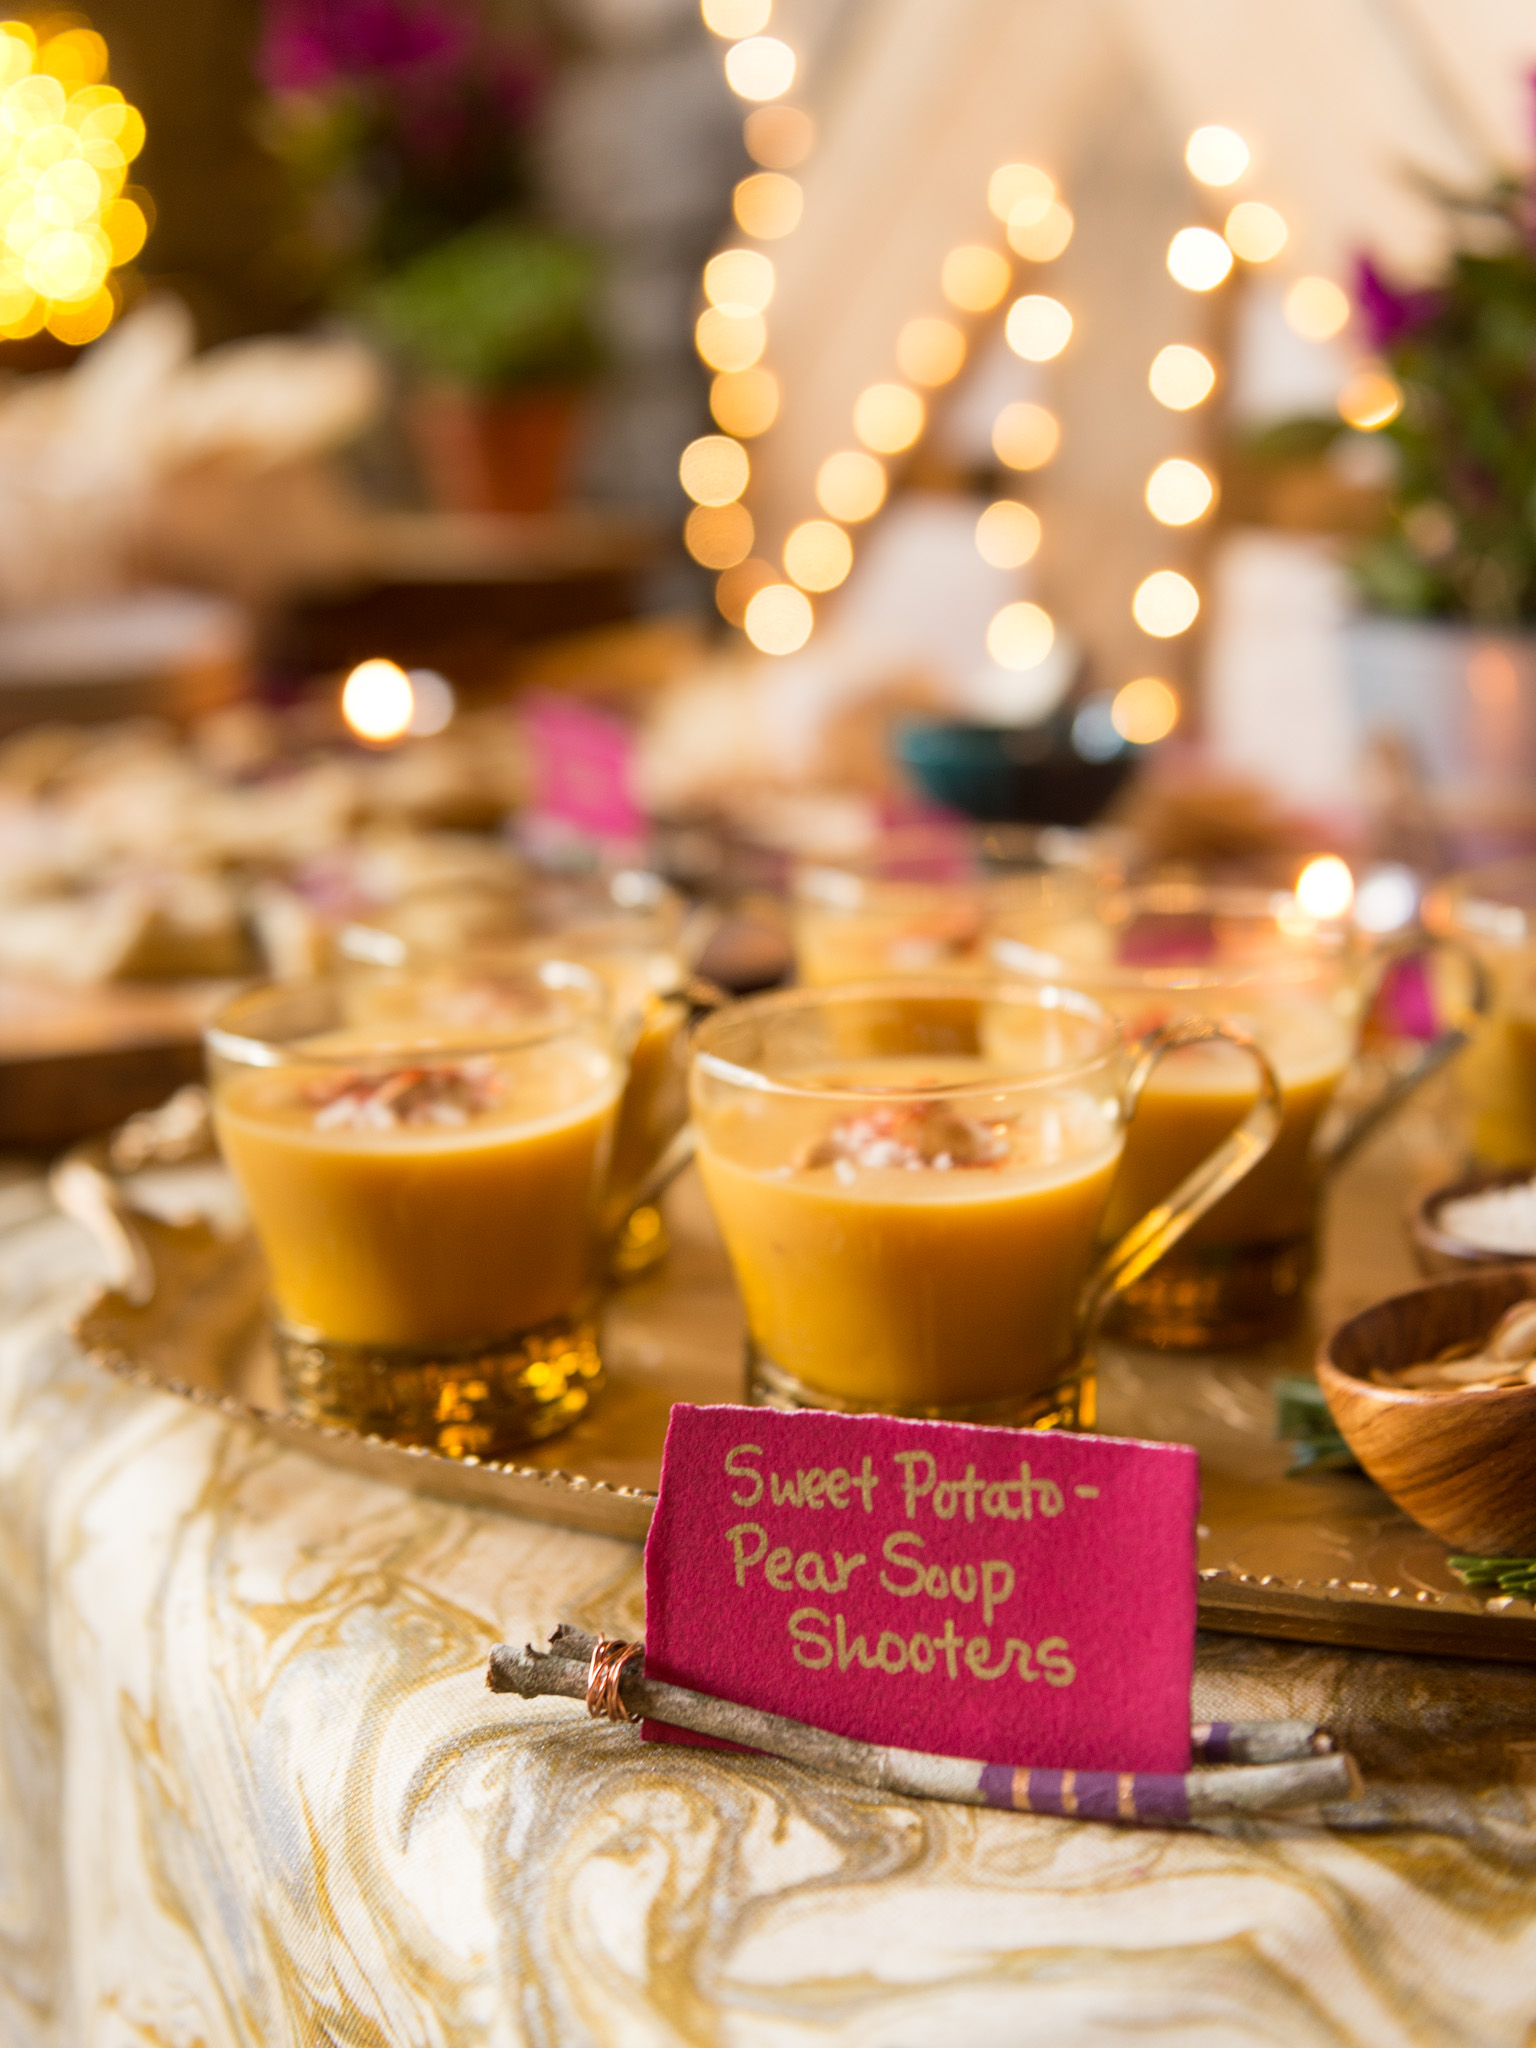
{"points": [[253, 1791]]}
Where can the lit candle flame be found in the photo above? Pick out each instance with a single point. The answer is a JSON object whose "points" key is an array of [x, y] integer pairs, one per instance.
{"points": [[377, 701], [1325, 887]]}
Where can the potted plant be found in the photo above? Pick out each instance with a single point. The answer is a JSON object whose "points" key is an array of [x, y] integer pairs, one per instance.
{"points": [[1443, 659], [405, 125]]}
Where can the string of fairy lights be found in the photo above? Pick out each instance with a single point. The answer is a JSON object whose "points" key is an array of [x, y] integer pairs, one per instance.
{"points": [[66, 221], [773, 606]]}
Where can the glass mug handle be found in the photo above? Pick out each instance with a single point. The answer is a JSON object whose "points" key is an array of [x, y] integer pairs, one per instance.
{"points": [[1216, 1175], [675, 1014], [1442, 1048]]}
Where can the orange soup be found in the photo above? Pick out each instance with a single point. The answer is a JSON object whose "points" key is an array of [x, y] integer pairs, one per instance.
{"points": [[919, 1255], [1198, 1096], [438, 1204]]}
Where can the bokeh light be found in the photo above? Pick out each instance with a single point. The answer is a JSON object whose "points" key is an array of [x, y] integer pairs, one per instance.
{"points": [[1216, 156], [734, 18], [1165, 604], [778, 620], [1145, 711], [736, 587], [1181, 377], [1387, 897], [974, 278], [1042, 240], [1255, 231], [377, 701], [930, 351], [1020, 636], [719, 536], [761, 68], [1199, 259], [1038, 328], [730, 341], [888, 418], [1025, 436], [1179, 492], [1316, 308], [818, 555], [1007, 534], [1021, 189], [66, 222], [1325, 887], [714, 470], [850, 486], [768, 205], [779, 138], [744, 402], [1370, 399], [739, 281], [433, 703]]}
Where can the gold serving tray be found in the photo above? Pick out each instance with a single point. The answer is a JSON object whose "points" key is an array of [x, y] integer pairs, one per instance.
{"points": [[1321, 1558]]}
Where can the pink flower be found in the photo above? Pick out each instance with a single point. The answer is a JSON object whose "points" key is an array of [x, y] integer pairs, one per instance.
{"points": [[312, 44], [1389, 314]]}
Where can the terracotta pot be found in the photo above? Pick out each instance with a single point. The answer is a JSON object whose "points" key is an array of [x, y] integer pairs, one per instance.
{"points": [[495, 452]]}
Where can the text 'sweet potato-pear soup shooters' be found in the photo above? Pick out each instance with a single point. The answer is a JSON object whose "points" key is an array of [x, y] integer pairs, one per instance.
{"points": [[423, 1158], [912, 1180], [1300, 986]]}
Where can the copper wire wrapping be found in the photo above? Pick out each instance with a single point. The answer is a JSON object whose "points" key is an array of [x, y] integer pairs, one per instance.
{"points": [[609, 1658]]}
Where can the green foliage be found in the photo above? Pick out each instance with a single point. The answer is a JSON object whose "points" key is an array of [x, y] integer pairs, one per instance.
{"points": [[1459, 536], [1462, 539], [497, 307]]}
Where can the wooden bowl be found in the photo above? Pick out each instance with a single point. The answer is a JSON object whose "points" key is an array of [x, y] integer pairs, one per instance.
{"points": [[1435, 1249], [1462, 1464]]}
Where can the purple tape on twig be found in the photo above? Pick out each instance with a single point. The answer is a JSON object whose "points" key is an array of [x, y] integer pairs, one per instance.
{"points": [[1043, 1790], [1213, 1743], [1161, 1798], [1098, 1795], [1087, 1795], [996, 1784]]}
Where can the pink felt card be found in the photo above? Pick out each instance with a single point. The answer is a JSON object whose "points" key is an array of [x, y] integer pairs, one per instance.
{"points": [[583, 762], [1024, 1598]]}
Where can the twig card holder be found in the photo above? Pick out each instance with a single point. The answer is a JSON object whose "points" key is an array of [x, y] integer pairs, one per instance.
{"points": [[1020, 1596]]}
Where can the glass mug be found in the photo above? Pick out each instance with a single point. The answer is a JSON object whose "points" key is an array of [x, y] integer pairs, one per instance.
{"points": [[922, 901], [911, 1179], [1301, 988], [423, 1159], [1491, 911], [626, 925]]}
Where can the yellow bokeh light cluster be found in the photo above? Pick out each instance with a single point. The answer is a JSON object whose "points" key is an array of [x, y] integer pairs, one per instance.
{"points": [[930, 351], [768, 205], [1020, 636], [1038, 327], [731, 335], [1179, 492], [1370, 400], [818, 555], [1199, 259], [1145, 711], [745, 402], [1025, 435], [888, 418], [850, 486], [1181, 377], [66, 222], [1166, 604], [1007, 534]]}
